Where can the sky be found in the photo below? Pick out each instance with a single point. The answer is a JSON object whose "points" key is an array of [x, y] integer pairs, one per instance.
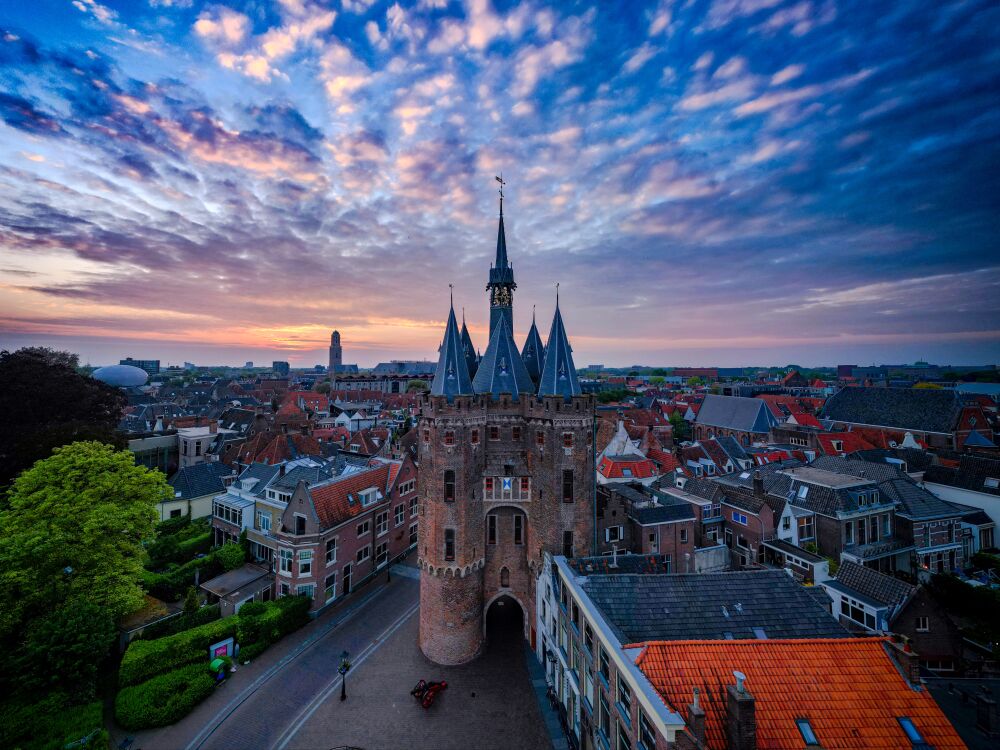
{"points": [[711, 182]]}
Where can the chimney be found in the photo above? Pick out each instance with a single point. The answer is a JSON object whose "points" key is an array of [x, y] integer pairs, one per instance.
{"points": [[281, 470], [986, 716], [696, 719], [906, 659], [614, 555], [213, 427], [741, 716], [758, 485]]}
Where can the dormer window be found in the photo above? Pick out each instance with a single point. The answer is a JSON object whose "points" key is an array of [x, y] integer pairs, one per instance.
{"points": [[862, 499], [874, 498], [368, 496]]}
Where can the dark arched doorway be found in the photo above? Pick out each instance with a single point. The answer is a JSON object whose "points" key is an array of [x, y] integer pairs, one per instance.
{"points": [[504, 627]]}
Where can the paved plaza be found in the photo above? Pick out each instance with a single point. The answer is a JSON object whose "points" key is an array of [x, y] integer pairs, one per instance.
{"points": [[289, 699]]}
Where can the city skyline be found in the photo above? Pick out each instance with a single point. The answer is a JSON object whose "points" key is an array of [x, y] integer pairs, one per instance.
{"points": [[712, 183]]}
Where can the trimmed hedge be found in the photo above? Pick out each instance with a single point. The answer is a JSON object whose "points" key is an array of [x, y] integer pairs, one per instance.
{"points": [[261, 625], [172, 584], [182, 622], [146, 659], [164, 699], [52, 723]]}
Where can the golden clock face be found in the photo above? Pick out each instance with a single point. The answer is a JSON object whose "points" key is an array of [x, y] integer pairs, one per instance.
{"points": [[501, 297]]}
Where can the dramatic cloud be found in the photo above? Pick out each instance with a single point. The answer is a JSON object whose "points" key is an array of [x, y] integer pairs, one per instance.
{"points": [[722, 182]]}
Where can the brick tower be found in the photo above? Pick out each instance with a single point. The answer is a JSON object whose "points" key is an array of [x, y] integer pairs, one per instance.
{"points": [[506, 473], [336, 352]]}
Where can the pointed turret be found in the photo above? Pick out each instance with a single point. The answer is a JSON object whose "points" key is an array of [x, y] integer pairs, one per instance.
{"points": [[471, 360], [533, 352], [501, 285], [558, 372], [501, 369], [451, 378]]}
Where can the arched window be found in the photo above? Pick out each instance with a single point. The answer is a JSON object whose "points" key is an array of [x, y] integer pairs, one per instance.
{"points": [[504, 577], [449, 486]]}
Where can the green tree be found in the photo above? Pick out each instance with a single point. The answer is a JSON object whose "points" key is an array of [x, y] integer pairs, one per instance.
{"points": [[230, 555], [191, 601], [64, 650], [73, 529], [681, 429], [322, 387], [928, 386], [694, 382], [46, 403], [417, 386]]}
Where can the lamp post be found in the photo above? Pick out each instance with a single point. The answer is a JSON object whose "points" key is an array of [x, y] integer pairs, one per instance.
{"points": [[342, 670]]}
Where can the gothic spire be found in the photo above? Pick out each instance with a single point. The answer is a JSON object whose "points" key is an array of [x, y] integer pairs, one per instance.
{"points": [[451, 378], [501, 285], [558, 372], [501, 369], [533, 352], [471, 360]]}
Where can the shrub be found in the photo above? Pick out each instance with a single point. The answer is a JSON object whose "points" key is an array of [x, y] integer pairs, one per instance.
{"points": [[259, 629], [51, 724], [171, 585], [200, 544], [182, 622], [231, 555], [164, 699], [144, 659]]}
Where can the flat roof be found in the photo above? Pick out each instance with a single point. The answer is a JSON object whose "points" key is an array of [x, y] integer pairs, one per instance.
{"points": [[823, 477]]}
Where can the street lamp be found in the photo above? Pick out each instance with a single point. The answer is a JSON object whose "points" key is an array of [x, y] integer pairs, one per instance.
{"points": [[342, 670]]}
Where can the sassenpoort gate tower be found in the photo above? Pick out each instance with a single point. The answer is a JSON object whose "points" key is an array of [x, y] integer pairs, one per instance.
{"points": [[506, 472]]}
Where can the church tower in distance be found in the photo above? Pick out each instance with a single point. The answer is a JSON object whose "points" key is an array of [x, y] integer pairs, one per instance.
{"points": [[506, 474], [336, 353]]}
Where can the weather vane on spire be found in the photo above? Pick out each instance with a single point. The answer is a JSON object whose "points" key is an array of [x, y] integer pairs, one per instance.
{"points": [[502, 183]]}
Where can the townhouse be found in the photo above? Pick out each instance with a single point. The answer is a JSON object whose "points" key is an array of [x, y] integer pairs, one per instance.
{"points": [[634, 518]]}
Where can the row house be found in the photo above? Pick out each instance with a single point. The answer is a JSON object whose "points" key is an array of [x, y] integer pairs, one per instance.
{"points": [[594, 622], [640, 520], [336, 535], [715, 456], [705, 498], [931, 527]]}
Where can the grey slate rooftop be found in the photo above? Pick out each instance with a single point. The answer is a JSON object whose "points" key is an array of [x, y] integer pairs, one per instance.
{"points": [[871, 584], [971, 474], [736, 413], [710, 606], [200, 480], [926, 410]]}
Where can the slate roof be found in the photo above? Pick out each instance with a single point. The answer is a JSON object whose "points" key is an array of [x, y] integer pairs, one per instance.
{"points": [[733, 448], [971, 474], [623, 563], [558, 372], [200, 480], [501, 370], [976, 440], [925, 410], [914, 501], [886, 590], [700, 606], [263, 473], [471, 360], [850, 691], [533, 352], [451, 378], [736, 413]]}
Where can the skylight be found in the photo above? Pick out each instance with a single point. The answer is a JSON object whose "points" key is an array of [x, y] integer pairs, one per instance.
{"points": [[912, 734], [803, 491], [805, 728]]}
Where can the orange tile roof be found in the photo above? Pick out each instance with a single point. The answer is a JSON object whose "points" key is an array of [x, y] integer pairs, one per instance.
{"points": [[849, 689], [332, 501]]}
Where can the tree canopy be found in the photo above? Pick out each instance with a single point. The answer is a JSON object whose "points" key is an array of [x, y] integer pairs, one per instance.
{"points": [[46, 403], [73, 530]]}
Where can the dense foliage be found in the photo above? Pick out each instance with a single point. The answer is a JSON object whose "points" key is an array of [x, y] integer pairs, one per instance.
{"points": [[610, 396], [165, 698], [261, 625], [185, 621], [46, 403], [73, 531], [145, 659], [231, 555], [51, 724]]}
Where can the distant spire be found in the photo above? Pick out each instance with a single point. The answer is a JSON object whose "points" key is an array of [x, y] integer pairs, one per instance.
{"points": [[533, 352], [451, 378]]}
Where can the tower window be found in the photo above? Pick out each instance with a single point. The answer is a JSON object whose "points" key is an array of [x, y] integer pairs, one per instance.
{"points": [[567, 440], [518, 529], [505, 577], [449, 437], [567, 485], [449, 486], [540, 438], [449, 544], [494, 432], [515, 433], [567, 544], [475, 437], [491, 529]]}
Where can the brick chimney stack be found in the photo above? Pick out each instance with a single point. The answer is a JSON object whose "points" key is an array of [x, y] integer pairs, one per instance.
{"points": [[758, 485], [907, 660], [696, 719], [741, 716]]}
